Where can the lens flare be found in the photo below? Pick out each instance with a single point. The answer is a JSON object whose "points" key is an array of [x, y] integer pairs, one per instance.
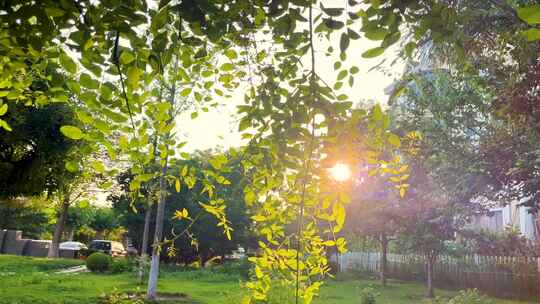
{"points": [[340, 172]]}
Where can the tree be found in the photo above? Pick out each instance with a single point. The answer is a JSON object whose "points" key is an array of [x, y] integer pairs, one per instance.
{"points": [[30, 215], [103, 220], [201, 239], [433, 220], [32, 155], [377, 215]]}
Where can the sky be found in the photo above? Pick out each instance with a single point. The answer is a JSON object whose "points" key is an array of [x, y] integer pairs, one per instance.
{"points": [[218, 128]]}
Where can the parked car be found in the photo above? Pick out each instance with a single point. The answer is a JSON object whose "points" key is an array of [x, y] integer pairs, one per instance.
{"points": [[72, 249], [111, 248], [72, 246]]}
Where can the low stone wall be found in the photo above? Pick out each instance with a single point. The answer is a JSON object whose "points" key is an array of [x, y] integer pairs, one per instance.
{"points": [[13, 243], [3, 233], [37, 248]]}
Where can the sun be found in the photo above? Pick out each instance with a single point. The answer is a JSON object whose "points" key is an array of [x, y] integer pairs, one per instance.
{"points": [[340, 172]]}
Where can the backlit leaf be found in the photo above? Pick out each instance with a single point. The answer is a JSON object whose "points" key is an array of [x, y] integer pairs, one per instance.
{"points": [[72, 132], [374, 52], [530, 14]]}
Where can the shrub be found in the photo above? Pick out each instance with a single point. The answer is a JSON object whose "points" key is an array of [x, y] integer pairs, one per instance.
{"points": [[241, 267], [120, 265], [98, 262], [470, 296], [368, 295]]}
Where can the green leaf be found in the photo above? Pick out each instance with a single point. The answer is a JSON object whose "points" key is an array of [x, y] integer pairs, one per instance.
{"points": [[530, 14], [244, 124], [227, 67], [72, 166], [126, 57], [68, 64], [334, 12], [374, 52], [185, 92], [231, 54], [5, 125], [54, 12], [394, 140], [3, 109], [344, 42], [98, 166], [87, 82], [354, 70], [133, 77], [352, 34], [333, 24], [177, 185], [377, 113], [376, 34], [72, 132], [160, 19], [342, 74], [249, 197], [194, 115], [531, 34]]}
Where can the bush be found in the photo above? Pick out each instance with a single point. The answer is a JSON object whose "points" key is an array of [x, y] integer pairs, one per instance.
{"points": [[120, 265], [368, 295], [241, 267], [470, 296], [98, 262]]}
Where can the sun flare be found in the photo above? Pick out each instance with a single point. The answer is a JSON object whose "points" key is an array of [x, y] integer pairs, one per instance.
{"points": [[340, 172]]}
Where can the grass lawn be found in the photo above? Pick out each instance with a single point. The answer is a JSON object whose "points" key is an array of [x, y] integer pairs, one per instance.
{"points": [[26, 280]]}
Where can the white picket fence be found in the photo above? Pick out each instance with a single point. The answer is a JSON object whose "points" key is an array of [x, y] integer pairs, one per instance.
{"points": [[500, 276]]}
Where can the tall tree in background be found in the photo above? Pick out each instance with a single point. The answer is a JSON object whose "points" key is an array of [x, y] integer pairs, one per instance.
{"points": [[376, 212], [32, 154], [201, 238]]}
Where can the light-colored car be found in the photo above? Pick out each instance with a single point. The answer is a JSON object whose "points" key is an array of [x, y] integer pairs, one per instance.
{"points": [[72, 246], [112, 248]]}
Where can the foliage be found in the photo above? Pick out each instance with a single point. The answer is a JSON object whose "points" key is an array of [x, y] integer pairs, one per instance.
{"points": [[508, 243], [99, 262], [103, 219], [204, 239], [31, 216], [120, 265], [242, 267], [32, 156], [470, 296], [368, 295], [117, 297]]}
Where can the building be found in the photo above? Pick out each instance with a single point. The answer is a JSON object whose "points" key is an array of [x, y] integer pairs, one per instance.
{"points": [[512, 215]]}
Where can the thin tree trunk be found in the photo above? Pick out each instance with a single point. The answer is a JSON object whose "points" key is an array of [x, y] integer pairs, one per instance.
{"points": [[429, 276], [384, 259], [146, 231], [144, 245], [58, 230], [154, 265]]}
